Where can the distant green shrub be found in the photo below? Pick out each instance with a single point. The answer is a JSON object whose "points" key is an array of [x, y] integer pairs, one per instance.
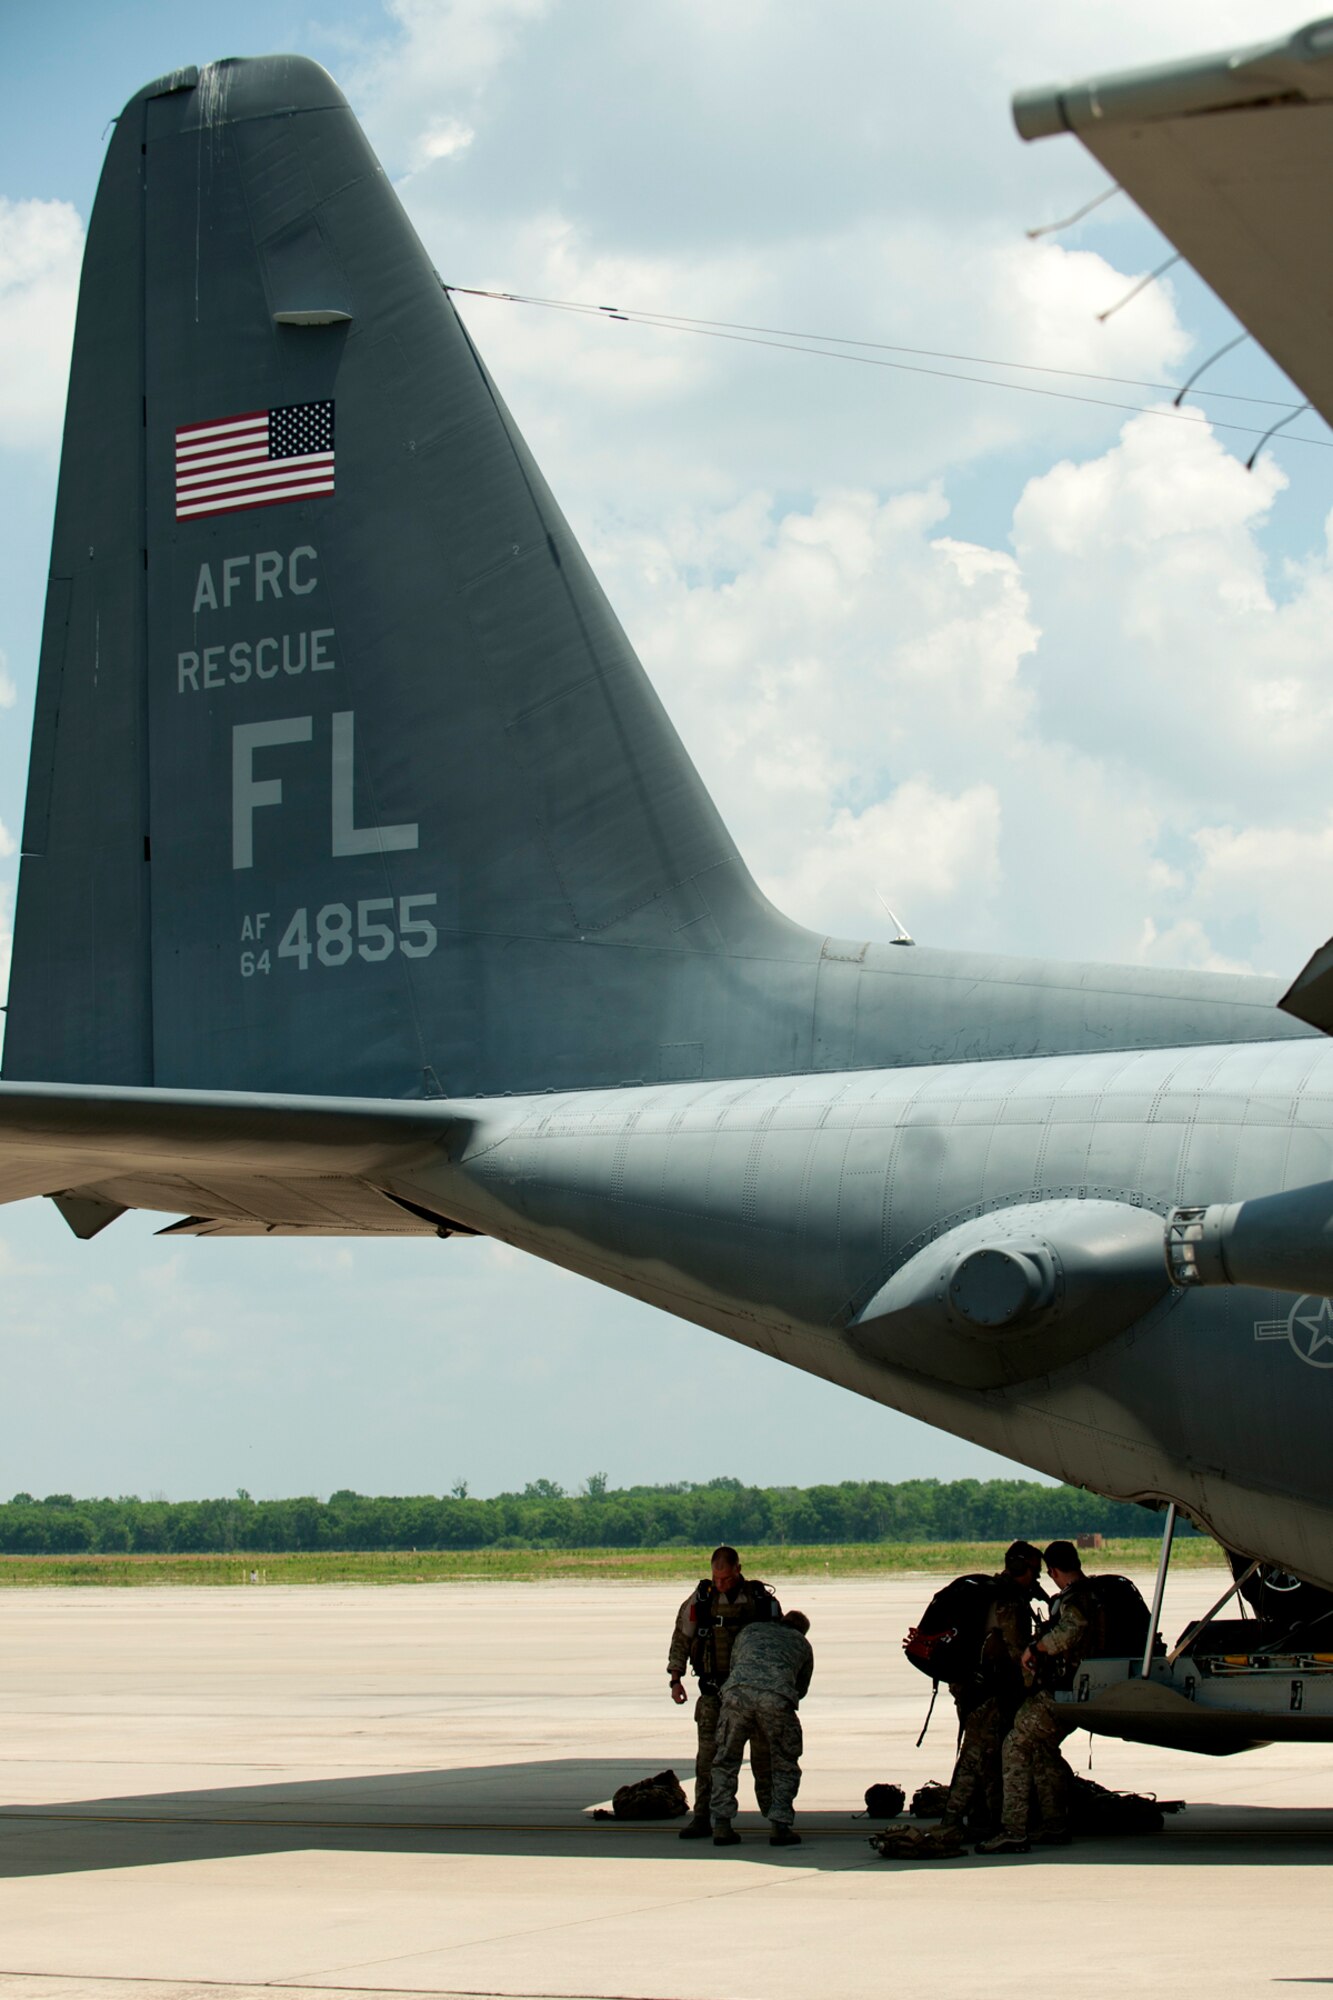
{"points": [[543, 1516]]}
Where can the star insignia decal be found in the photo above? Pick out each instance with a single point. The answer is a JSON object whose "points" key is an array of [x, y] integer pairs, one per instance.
{"points": [[1318, 1333]]}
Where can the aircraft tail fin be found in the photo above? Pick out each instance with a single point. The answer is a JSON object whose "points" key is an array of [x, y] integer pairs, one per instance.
{"points": [[345, 777]]}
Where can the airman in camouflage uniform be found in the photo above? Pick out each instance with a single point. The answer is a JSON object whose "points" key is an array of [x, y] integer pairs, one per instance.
{"points": [[986, 1704], [1031, 1756], [771, 1667], [706, 1628]]}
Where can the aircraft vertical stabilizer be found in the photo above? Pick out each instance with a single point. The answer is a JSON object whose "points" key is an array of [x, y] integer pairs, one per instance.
{"points": [[327, 685]]}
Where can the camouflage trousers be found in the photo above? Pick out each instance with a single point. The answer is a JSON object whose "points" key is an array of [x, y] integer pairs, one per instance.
{"points": [[1031, 1761], [707, 1711], [773, 1730], [975, 1788]]}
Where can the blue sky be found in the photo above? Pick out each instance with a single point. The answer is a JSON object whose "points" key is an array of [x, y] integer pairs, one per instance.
{"points": [[1046, 676]]}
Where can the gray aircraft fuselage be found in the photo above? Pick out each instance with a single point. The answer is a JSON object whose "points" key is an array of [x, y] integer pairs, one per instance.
{"points": [[772, 1211]]}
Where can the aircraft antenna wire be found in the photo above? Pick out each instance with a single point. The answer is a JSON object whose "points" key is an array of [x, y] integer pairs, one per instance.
{"points": [[690, 324], [797, 344]]}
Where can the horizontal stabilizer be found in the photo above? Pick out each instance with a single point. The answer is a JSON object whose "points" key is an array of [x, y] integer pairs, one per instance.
{"points": [[1309, 998], [203, 1225], [1231, 155], [234, 1164]]}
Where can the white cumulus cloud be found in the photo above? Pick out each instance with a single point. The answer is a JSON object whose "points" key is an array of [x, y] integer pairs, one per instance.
{"points": [[840, 679], [443, 141], [439, 52], [1106, 740], [41, 245]]}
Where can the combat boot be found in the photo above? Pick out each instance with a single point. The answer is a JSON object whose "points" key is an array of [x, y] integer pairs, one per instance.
{"points": [[1003, 1843], [1055, 1836], [725, 1834], [784, 1836], [698, 1827]]}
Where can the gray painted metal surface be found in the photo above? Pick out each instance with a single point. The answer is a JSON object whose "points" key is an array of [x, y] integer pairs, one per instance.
{"points": [[775, 1211], [1187, 1706], [366, 888], [1231, 156], [1294, 67]]}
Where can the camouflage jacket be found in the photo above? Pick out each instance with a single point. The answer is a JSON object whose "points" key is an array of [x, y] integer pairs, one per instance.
{"points": [[707, 1650], [1067, 1634], [1008, 1633], [771, 1659]]}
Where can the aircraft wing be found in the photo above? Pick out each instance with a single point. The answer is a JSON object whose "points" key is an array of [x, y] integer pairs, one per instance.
{"points": [[1231, 156], [233, 1163]]}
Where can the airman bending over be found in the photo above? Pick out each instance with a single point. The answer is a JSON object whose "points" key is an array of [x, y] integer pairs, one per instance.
{"points": [[771, 1667]]}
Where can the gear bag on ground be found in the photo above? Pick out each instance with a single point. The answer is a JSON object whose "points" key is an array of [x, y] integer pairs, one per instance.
{"points": [[658, 1797]]}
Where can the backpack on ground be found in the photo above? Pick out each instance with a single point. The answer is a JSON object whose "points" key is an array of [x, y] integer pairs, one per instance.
{"points": [[946, 1643], [660, 1797], [919, 1843], [929, 1800], [884, 1801], [1122, 1618], [1093, 1811]]}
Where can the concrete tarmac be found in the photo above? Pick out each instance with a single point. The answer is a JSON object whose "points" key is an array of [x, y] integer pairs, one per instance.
{"points": [[373, 1792]]}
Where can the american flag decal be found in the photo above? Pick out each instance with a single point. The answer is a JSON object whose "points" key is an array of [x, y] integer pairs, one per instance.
{"points": [[259, 459]]}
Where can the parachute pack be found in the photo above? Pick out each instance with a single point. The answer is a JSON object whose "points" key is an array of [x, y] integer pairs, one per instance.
{"points": [[946, 1644], [1123, 1617]]}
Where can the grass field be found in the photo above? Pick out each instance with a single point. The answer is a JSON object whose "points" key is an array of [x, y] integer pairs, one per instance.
{"points": [[680, 1566]]}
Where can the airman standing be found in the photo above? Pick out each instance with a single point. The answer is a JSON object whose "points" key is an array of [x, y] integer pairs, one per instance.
{"points": [[987, 1703], [702, 1637], [1031, 1755]]}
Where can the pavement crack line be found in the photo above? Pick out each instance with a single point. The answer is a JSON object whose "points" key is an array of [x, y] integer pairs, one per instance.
{"points": [[225, 1986], [800, 1875]]}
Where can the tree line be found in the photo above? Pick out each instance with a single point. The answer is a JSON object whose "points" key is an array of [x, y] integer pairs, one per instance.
{"points": [[545, 1516]]}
